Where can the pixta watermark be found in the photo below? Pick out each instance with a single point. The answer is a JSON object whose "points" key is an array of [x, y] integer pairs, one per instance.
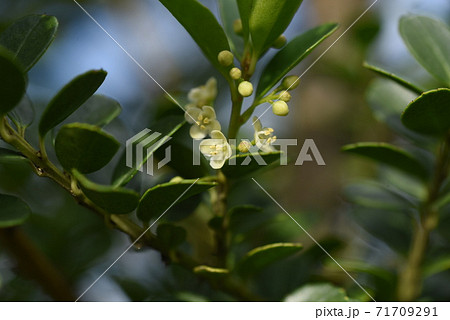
{"points": [[141, 147]]}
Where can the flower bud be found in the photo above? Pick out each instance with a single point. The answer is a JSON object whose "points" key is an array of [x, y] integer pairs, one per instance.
{"points": [[244, 146], [285, 96], [225, 58], [280, 108], [290, 82], [237, 27], [176, 179], [280, 42], [245, 89], [235, 73]]}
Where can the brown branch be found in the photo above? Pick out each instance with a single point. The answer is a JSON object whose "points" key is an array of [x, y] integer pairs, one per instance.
{"points": [[34, 264]]}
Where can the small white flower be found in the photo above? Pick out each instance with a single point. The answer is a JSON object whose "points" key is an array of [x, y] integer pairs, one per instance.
{"points": [[263, 136], [217, 149], [205, 94], [203, 120]]}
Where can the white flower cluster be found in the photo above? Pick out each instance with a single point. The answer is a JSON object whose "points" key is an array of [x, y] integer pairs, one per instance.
{"points": [[202, 116]]}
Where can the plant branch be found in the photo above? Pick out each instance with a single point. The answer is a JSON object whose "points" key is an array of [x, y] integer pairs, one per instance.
{"points": [[35, 264], [410, 282], [45, 168]]}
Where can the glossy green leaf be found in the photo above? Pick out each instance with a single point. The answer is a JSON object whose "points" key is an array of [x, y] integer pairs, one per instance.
{"points": [[98, 110], [291, 55], [318, 292], [203, 27], [229, 13], [389, 155], [12, 82], [14, 211], [405, 83], [29, 37], [430, 113], [429, 42], [161, 198], [10, 156], [259, 258], [375, 195], [211, 272], [167, 127], [236, 166], [268, 20], [388, 101], [245, 10], [84, 147], [170, 236], [113, 200], [70, 98]]}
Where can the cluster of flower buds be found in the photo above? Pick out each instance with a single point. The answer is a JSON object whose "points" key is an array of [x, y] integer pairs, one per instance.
{"points": [[281, 95], [226, 59]]}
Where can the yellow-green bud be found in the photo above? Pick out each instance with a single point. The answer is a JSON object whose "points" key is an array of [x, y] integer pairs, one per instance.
{"points": [[245, 89], [176, 179], [244, 146], [237, 27], [280, 42], [225, 58], [280, 108], [235, 73], [285, 96], [290, 82]]}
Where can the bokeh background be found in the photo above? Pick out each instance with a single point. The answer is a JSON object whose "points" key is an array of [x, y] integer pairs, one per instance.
{"points": [[329, 106]]}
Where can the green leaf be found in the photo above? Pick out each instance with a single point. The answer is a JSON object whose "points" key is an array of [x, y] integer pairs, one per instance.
{"points": [[395, 78], [268, 20], [113, 200], [259, 258], [229, 13], [387, 101], [235, 166], [430, 113], [14, 211], [98, 110], [84, 147], [171, 236], [12, 82], [70, 98], [167, 127], [29, 37], [245, 10], [245, 218], [10, 156], [161, 198], [320, 292], [439, 265], [211, 272], [375, 195], [202, 26], [291, 55], [389, 155], [429, 42]]}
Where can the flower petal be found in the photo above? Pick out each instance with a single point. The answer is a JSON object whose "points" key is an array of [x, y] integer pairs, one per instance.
{"points": [[208, 112], [216, 134], [205, 146], [217, 164], [191, 114], [257, 124], [214, 125], [197, 133]]}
